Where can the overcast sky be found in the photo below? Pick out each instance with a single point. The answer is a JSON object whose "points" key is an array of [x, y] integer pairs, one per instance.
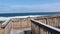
{"points": [[23, 6]]}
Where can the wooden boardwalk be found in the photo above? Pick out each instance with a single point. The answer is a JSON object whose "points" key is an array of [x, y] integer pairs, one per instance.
{"points": [[19, 31], [46, 25]]}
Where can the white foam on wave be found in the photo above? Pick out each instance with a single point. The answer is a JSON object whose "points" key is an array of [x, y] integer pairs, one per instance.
{"points": [[5, 18]]}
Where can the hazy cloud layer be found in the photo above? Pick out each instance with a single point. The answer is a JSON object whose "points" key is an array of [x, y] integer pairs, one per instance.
{"points": [[55, 7]]}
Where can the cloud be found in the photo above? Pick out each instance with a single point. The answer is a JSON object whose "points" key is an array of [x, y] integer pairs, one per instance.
{"points": [[55, 7]]}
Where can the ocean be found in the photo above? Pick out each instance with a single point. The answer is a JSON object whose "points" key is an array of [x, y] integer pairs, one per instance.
{"points": [[26, 14], [4, 16]]}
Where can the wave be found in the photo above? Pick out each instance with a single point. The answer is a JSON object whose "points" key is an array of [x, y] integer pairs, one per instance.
{"points": [[5, 18]]}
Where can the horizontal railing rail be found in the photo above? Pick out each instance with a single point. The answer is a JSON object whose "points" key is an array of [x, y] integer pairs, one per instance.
{"points": [[46, 27], [5, 23]]}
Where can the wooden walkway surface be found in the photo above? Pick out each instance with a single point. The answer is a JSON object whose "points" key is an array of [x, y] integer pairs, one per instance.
{"points": [[19, 31]]}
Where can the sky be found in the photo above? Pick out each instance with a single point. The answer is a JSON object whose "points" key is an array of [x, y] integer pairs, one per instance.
{"points": [[26, 6]]}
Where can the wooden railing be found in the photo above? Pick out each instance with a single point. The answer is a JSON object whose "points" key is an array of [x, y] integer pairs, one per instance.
{"points": [[21, 23], [52, 21], [6, 27], [41, 28]]}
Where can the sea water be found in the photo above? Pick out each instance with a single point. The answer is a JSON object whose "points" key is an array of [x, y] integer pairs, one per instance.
{"points": [[4, 16]]}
